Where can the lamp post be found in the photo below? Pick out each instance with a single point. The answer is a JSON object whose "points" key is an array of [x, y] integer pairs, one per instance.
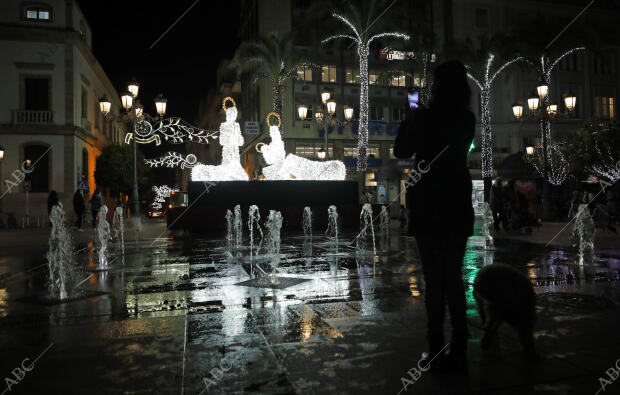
{"points": [[325, 116], [135, 112], [544, 111]]}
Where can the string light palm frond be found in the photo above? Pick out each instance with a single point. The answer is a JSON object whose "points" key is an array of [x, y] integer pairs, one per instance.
{"points": [[358, 31]]}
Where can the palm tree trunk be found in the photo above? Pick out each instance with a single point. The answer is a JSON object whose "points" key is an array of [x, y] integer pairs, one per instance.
{"points": [[277, 99], [487, 141], [362, 132]]}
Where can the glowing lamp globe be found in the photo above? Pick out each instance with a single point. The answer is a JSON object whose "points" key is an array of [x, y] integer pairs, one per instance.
{"points": [[318, 115], [133, 86], [529, 150], [517, 110], [104, 105], [552, 109], [127, 100], [331, 107], [321, 153], [532, 102], [325, 96], [1, 153], [302, 112], [570, 100], [348, 113], [542, 90], [160, 104]]}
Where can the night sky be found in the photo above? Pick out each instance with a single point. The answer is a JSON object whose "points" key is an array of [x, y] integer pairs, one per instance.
{"points": [[181, 65]]}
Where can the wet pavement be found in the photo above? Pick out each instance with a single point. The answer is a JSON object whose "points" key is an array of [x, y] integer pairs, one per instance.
{"points": [[189, 315]]}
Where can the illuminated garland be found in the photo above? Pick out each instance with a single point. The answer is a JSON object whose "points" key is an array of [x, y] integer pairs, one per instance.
{"points": [[484, 84], [609, 167], [161, 194], [363, 49], [556, 162], [174, 130], [173, 159]]}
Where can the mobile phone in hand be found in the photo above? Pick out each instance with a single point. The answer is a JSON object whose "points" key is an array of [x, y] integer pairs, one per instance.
{"points": [[413, 97]]}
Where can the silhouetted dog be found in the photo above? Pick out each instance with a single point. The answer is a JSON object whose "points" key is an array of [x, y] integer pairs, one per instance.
{"points": [[505, 295]]}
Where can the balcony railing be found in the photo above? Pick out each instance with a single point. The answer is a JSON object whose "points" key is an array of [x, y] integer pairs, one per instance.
{"points": [[32, 117]]}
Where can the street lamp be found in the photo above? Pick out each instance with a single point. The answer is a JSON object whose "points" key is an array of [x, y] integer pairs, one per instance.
{"points": [[135, 112], [570, 100], [321, 153], [318, 115], [552, 109], [133, 86], [105, 105], [533, 101], [160, 104], [302, 111], [325, 96], [544, 110], [331, 107], [126, 100], [542, 90], [348, 113], [1, 153], [517, 109]]}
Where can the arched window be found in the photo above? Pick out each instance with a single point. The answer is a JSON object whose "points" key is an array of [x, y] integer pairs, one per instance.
{"points": [[37, 12], [37, 156]]}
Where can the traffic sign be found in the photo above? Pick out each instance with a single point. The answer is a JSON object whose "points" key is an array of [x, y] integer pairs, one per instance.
{"points": [[252, 127]]}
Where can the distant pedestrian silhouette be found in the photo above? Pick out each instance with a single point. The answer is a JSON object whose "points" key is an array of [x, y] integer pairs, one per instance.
{"points": [[441, 215]]}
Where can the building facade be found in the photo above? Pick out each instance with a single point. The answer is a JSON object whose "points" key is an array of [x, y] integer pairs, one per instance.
{"points": [[49, 112], [591, 74]]}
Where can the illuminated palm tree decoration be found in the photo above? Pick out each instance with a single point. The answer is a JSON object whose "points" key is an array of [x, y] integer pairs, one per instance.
{"points": [[484, 83], [359, 26], [544, 67], [273, 58]]}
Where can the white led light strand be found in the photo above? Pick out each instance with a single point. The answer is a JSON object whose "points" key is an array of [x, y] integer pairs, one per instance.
{"points": [[557, 166], [287, 167], [173, 159], [174, 130], [485, 84], [162, 192], [231, 139], [363, 43]]}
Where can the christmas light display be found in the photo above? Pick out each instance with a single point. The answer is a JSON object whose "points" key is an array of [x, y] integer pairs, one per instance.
{"points": [[544, 69], [286, 167], [173, 159], [231, 139], [174, 130], [484, 84], [161, 194], [557, 166], [608, 166], [363, 41]]}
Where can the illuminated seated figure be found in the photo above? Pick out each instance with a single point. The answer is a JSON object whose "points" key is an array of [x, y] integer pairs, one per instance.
{"points": [[230, 140], [286, 167]]}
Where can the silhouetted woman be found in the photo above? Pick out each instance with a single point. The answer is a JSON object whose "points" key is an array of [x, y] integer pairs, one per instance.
{"points": [[441, 215]]}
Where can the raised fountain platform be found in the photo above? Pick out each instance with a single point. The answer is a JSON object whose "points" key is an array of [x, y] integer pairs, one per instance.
{"points": [[206, 209]]}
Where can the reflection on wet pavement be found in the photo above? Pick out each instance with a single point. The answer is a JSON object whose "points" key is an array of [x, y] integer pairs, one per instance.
{"points": [[187, 314]]}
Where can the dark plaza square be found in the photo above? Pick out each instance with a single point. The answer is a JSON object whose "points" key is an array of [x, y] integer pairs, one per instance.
{"points": [[307, 197]]}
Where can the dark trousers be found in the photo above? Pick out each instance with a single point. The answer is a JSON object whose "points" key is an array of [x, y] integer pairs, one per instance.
{"points": [[442, 264], [78, 222]]}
